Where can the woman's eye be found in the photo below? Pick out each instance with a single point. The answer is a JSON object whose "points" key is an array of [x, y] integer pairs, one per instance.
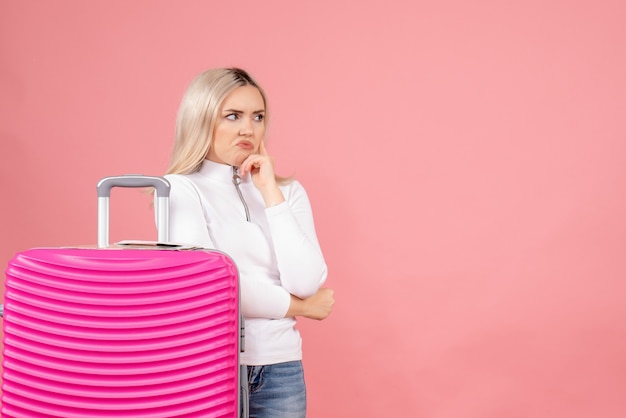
{"points": [[259, 117], [232, 116]]}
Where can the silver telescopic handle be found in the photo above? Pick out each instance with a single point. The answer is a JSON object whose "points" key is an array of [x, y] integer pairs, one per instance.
{"points": [[162, 188]]}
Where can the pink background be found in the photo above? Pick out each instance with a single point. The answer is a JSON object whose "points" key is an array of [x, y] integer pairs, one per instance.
{"points": [[466, 162]]}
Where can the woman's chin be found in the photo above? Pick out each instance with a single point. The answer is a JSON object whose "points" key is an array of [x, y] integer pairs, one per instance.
{"points": [[239, 159]]}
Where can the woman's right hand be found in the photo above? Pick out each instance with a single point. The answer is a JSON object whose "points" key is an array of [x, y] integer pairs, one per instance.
{"points": [[318, 306]]}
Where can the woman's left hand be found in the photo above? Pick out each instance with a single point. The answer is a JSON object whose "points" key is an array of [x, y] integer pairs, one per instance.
{"points": [[261, 169]]}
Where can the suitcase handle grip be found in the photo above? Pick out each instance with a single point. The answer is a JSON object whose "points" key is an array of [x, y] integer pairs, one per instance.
{"points": [[160, 184]]}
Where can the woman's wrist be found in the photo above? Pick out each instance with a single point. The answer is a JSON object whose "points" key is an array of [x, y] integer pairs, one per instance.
{"points": [[297, 307], [272, 196]]}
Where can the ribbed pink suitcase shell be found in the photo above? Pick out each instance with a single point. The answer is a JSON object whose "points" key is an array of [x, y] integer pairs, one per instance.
{"points": [[120, 333]]}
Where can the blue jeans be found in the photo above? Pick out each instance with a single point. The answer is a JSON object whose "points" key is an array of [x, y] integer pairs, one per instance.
{"points": [[277, 390]]}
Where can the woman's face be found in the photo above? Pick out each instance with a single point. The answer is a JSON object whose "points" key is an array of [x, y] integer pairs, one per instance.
{"points": [[240, 127]]}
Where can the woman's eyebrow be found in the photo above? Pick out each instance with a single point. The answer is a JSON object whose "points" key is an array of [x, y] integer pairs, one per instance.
{"points": [[256, 112]]}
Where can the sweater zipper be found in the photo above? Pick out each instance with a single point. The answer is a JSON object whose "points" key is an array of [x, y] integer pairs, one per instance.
{"points": [[237, 182]]}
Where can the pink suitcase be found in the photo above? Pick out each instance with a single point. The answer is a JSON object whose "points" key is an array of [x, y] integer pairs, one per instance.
{"points": [[122, 332]]}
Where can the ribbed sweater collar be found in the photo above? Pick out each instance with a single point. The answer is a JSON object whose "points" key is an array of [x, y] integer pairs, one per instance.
{"points": [[217, 171]]}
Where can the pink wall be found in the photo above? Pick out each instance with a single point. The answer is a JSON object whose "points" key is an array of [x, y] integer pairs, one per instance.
{"points": [[466, 162]]}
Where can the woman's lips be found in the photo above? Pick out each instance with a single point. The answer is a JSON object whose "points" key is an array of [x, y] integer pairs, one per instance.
{"points": [[247, 145]]}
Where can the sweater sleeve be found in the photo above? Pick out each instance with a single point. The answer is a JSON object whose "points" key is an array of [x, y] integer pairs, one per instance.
{"points": [[188, 226], [300, 261]]}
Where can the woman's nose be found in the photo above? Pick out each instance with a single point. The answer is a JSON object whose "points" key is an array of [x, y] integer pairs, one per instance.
{"points": [[246, 128]]}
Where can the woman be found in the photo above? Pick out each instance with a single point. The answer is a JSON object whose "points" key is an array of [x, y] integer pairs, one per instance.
{"points": [[225, 195]]}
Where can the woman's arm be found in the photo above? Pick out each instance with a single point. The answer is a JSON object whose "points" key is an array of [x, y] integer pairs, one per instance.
{"points": [[263, 300], [188, 226], [317, 306], [300, 260]]}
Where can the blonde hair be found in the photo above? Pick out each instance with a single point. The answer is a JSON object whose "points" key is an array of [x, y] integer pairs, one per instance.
{"points": [[198, 113]]}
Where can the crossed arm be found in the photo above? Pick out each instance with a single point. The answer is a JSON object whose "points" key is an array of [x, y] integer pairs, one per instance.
{"points": [[299, 293]]}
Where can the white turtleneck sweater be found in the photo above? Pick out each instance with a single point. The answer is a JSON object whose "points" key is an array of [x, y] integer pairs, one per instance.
{"points": [[276, 253]]}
